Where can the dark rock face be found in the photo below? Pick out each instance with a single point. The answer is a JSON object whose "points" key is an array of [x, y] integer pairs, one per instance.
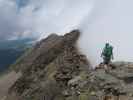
{"points": [[55, 70]]}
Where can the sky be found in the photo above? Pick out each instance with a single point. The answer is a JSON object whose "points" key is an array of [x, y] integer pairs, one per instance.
{"points": [[38, 18], [110, 21], [100, 21]]}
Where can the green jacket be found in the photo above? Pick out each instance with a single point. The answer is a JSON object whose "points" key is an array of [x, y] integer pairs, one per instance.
{"points": [[108, 52]]}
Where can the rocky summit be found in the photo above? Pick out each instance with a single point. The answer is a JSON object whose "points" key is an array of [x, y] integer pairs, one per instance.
{"points": [[54, 69]]}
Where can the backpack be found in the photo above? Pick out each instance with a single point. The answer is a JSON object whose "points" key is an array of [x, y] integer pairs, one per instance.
{"points": [[108, 51]]}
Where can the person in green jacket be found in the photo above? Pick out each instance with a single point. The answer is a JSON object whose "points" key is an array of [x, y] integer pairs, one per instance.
{"points": [[107, 54]]}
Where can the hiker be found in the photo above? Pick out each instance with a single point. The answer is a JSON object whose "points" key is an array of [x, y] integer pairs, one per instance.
{"points": [[107, 54]]}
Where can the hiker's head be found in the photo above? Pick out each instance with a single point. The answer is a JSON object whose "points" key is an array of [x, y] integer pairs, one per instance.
{"points": [[107, 44]]}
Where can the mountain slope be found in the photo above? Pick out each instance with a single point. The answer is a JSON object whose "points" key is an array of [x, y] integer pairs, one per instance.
{"points": [[8, 57], [48, 68], [10, 50], [54, 69], [6, 81]]}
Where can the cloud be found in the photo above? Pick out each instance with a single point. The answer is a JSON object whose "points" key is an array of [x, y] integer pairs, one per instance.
{"points": [[16, 19], [110, 21], [100, 21], [61, 16], [38, 18]]}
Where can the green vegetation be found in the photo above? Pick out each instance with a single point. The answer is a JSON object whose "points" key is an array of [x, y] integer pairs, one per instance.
{"points": [[15, 65]]}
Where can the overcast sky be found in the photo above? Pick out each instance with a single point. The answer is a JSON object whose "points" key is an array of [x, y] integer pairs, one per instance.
{"points": [[100, 21], [35, 18]]}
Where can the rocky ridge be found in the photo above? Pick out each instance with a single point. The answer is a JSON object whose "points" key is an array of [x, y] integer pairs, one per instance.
{"points": [[54, 69]]}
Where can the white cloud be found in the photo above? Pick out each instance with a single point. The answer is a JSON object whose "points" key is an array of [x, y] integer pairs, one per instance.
{"points": [[100, 21], [41, 17], [111, 21]]}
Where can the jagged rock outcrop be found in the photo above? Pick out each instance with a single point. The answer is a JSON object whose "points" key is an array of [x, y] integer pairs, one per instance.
{"points": [[54, 69], [49, 69]]}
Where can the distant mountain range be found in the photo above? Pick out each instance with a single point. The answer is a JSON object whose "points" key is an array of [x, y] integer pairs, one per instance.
{"points": [[8, 56], [15, 44], [10, 50]]}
